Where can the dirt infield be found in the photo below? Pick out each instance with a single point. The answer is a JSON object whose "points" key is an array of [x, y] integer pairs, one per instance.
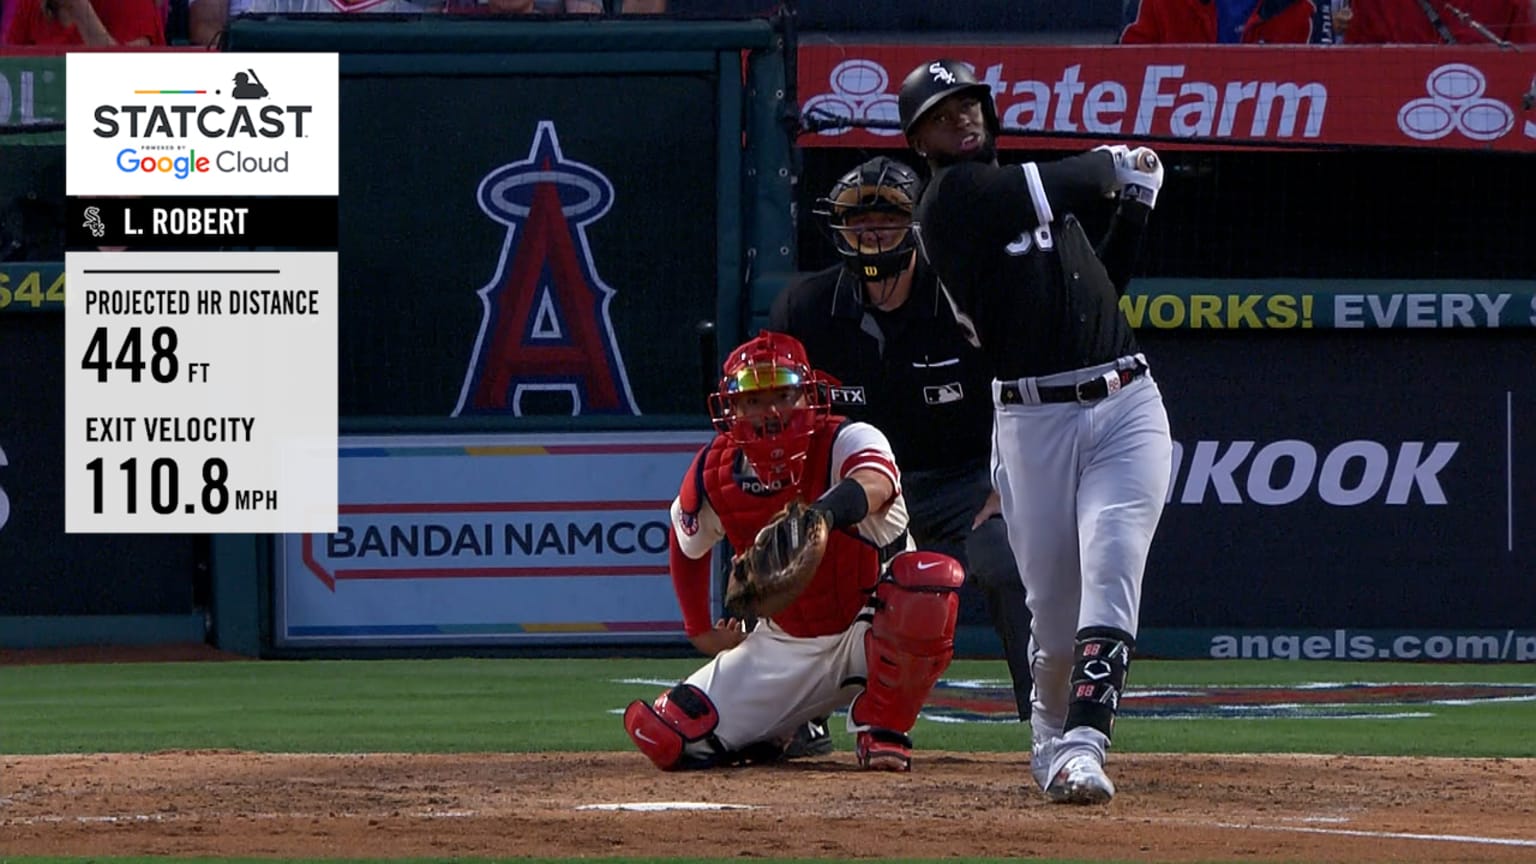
{"points": [[1170, 808]]}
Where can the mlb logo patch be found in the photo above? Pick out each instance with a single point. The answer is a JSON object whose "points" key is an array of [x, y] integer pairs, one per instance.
{"points": [[944, 393]]}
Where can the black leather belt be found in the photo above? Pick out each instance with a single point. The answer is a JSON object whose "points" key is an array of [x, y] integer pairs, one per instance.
{"points": [[1091, 390]]}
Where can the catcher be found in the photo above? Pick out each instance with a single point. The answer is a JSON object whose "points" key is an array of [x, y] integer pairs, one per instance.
{"points": [[843, 611]]}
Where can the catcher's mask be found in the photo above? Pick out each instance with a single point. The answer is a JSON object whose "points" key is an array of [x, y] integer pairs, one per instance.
{"points": [[767, 405], [868, 214]]}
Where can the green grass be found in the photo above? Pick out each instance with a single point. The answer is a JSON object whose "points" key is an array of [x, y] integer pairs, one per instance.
{"points": [[509, 705]]}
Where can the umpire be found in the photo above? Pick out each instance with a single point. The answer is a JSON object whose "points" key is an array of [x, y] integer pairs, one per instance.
{"points": [[876, 323]]}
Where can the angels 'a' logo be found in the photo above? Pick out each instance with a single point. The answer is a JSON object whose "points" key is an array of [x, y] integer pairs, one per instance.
{"points": [[546, 328]]}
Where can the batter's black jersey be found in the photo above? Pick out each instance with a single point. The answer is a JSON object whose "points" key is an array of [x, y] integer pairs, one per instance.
{"points": [[911, 374], [1019, 268]]}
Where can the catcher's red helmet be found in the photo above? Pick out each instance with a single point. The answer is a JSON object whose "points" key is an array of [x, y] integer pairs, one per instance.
{"points": [[767, 404]]}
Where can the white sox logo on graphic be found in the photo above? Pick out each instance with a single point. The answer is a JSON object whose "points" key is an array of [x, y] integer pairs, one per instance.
{"points": [[1455, 103], [546, 326]]}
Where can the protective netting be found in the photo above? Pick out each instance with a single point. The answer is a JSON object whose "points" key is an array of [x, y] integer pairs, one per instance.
{"points": [[1341, 214], [1304, 161]]}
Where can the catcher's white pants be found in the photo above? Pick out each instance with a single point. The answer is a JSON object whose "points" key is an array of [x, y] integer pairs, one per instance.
{"points": [[772, 683], [1082, 488]]}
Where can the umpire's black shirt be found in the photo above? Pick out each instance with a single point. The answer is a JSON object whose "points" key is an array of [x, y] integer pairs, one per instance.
{"points": [[910, 373], [1020, 268]]}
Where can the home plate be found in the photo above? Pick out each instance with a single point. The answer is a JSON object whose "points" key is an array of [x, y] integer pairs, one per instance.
{"points": [[648, 806]]}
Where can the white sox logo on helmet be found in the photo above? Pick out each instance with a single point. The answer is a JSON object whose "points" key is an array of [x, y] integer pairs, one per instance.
{"points": [[939, 73]]}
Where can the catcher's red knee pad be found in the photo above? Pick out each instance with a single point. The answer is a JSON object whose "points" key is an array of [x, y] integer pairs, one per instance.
{"points": [[911, 639], [677, 718]]}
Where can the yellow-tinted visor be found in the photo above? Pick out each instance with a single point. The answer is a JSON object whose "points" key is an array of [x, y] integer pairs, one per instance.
{"points": [[769, 377]]}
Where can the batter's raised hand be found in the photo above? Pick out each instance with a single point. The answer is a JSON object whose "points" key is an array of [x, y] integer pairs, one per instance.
{"points": [[1142, 176], [1120, 154]]}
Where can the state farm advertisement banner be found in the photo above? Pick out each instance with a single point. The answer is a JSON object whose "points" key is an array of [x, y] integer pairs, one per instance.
{"points": [[1432, 96]]}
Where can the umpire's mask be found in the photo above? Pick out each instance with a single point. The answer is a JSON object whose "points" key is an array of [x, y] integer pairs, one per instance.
{"points": [[868, 215]]}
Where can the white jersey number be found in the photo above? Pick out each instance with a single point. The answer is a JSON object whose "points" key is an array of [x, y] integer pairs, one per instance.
{"points": [[1041, 237]]}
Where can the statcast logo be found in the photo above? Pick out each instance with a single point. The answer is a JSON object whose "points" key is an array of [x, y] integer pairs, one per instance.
{"points": [[159, 125]]}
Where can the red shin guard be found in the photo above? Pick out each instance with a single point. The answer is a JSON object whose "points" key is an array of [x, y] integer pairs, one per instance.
{"points": [[911, 640]]}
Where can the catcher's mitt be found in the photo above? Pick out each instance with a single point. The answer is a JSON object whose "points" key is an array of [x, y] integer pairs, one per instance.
{"points": [[770, 574]]}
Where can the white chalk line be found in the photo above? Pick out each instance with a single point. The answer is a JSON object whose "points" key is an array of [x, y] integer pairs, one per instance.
{"points": [[656, 806], [1384, 835], [1355, 832], [464, 814]]}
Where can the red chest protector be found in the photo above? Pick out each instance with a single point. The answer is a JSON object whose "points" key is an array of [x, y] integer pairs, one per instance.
{"points": [[851, 567]]}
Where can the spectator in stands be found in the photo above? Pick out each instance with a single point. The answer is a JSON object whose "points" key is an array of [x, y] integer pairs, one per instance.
{"points": [[556, 7], [1340, 14], [206, 18], [563, 7], [7, 11], [92, 23], [528, 7], [1218, 21], [490, 7], [338, 7], [1435, 22]]}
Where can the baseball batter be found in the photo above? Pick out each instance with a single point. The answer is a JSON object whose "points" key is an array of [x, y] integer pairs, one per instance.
{"points": [[879, 635], [1081, 451]]}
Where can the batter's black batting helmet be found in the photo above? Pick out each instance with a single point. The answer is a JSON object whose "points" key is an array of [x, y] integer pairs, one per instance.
{"points": [[932, 83], [880, 185]]}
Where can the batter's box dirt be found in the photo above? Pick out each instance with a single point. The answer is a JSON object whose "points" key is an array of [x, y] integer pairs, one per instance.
{"points": [[1170, 808]]}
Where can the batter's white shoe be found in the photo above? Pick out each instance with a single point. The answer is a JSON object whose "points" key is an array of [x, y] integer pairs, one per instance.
{"points": [[1081, 781], [1042, 753]]}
